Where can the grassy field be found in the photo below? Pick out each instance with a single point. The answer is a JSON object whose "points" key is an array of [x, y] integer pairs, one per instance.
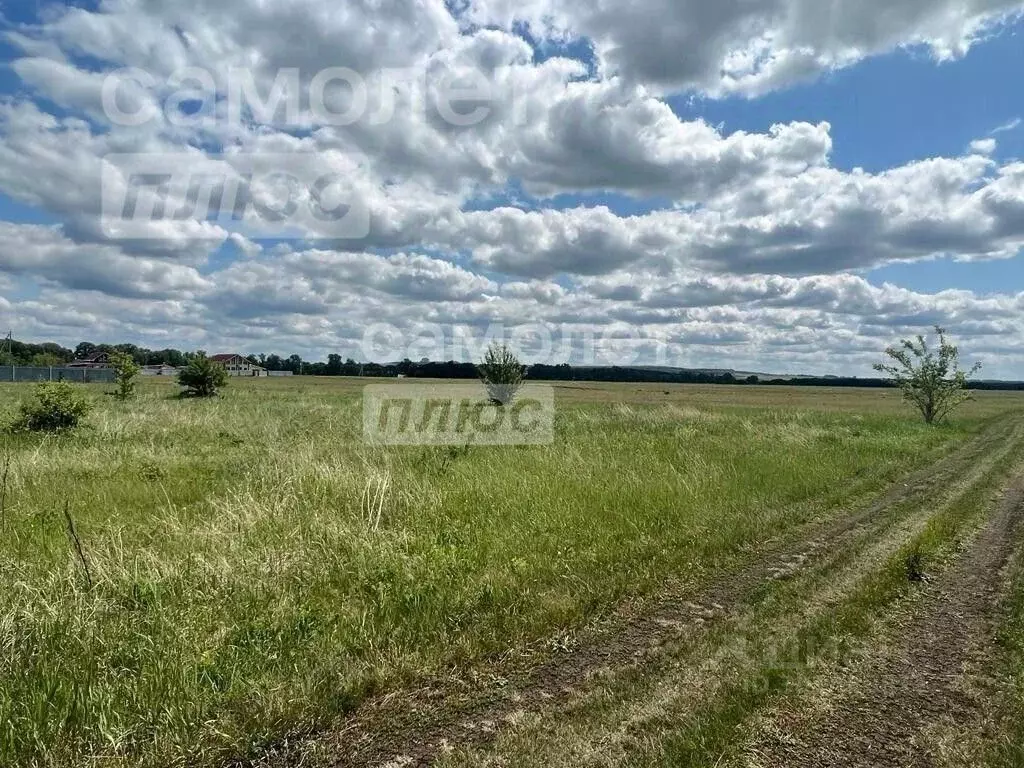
{"points": [[236, 589], [1008, 750]]}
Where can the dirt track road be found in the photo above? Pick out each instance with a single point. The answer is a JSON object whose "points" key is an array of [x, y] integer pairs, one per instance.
{"points": [[917, 697]]}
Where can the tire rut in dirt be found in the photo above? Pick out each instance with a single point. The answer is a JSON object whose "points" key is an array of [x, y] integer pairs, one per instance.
{"points": [[889, 709]]}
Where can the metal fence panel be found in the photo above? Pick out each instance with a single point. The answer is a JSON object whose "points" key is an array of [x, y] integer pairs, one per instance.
{"points": [[23, 373]]}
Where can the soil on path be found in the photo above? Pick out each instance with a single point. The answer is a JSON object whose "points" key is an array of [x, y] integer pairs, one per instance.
{"points": [[917, 698]]}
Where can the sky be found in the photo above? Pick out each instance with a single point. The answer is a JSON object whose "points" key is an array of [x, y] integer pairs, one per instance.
{"points": [[785, 186]]}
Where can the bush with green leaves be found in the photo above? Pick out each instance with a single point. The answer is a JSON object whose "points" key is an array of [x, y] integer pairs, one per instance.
{"points": [[126, 372], [202, 377], [930, 379], [502, 374], [55, 407]]}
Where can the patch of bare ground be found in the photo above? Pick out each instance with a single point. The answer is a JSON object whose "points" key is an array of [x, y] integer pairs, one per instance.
{"points": [[412, 728], [917, 695]]}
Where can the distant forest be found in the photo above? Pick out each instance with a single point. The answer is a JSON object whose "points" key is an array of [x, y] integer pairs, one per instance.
{"points": [[14, 352]]}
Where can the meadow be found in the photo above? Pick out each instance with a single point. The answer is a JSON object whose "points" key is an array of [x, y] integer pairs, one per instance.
{"points": [[247, 570]]}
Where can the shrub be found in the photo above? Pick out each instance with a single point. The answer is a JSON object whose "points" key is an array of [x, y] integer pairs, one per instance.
{"points": [[126, 371], [931, 381], [56, 407], [502, 374], [202, 377]]}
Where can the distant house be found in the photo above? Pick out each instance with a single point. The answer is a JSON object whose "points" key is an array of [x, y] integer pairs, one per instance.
{"points": [[100, 360], [239, 365]]}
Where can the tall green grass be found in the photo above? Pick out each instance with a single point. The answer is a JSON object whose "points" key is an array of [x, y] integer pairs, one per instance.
{"points": [[258, 569], [1008, 750]]}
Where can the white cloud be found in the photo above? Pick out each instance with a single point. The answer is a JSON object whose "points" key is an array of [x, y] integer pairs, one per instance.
{"points": [[313, 302], [983, 146], [44, 253], [820, 221], [746, 251], [749, 47], [1007, 127]]}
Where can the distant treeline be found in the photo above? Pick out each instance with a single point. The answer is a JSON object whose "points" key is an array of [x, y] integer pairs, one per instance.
{"points": [[14, 352], [566, 372]]}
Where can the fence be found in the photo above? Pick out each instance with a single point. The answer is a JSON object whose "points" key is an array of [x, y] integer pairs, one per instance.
{"points": [[55, 373]]}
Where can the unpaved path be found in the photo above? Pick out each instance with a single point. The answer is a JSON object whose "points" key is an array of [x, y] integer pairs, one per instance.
{"points": [[914, 699], [411, 728]]}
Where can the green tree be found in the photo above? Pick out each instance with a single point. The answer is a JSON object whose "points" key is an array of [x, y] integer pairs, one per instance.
{"points": [[85, 349], [202, 377], [501, 373], [930, 379], [45, 360], [169, 356], [126, 374], [55, 407]]}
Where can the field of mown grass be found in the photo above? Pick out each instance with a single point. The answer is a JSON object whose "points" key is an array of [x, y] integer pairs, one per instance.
{"points": [[241, 590]]}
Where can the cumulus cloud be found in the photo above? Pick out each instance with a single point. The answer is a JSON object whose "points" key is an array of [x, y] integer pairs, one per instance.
{"points": [[602, 139], [308, 282], [44, 253], [820, 221], [314, 300], [984, 146], [749, 47]]}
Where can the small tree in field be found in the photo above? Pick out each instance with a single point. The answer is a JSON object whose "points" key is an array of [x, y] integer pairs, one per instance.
{"points": [[930, 379], [126, 371], [502, 374], [202, 377], [56, 407]]}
